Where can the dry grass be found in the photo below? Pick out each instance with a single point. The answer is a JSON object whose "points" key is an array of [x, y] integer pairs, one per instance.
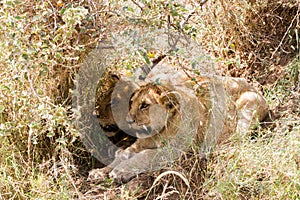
{"points": [[42, 45]]}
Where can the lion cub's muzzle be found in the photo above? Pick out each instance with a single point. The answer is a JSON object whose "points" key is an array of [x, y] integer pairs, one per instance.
{"points": [[150, 125], [138, 130]]}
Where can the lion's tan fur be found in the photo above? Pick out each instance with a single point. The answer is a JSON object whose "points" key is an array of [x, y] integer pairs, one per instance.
{"points": [[213, 108]]}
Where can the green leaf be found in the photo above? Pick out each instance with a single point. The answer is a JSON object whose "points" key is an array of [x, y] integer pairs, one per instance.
{"points": [[2, 108], [130, 9], [50, 134], [5, 87], [175, 13], [194, 64], [25, 56], [147, 59], [62, 11]]}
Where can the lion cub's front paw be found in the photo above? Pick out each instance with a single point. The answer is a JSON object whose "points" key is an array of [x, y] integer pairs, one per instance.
{"points": [[121, 176], [98, 175]]}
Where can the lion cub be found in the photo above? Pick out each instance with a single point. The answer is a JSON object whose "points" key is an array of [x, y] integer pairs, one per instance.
{"points": [[175, 108]]}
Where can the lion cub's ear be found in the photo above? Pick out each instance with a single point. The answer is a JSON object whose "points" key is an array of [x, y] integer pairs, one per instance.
{"points": [[169, 100], [114, 76]]}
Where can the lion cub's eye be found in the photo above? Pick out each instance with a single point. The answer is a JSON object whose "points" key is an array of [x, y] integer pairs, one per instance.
{"points": [[144, 106]]}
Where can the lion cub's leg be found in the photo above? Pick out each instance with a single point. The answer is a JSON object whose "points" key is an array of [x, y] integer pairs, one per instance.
{"points": [[98, 175], [251, 108], [146, 160]]}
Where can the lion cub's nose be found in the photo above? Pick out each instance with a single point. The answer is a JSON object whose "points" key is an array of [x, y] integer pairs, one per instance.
{"points": [[129, 119]]}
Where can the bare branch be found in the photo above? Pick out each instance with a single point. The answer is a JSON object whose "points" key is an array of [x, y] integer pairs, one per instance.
{"points": [[203, 2], [175, 39], [138, 5]]}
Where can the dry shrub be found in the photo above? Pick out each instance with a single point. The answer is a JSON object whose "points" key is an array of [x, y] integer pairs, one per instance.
{"points": [[253, 36], [42, 46]]}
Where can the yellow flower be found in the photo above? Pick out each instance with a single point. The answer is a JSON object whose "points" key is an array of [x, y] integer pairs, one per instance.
{"points": [[60, 3], [128, 73], [151, 55]]}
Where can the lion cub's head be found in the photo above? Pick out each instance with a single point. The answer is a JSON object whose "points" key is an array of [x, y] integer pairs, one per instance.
{"points": [[112, 88], [151, 108]]}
